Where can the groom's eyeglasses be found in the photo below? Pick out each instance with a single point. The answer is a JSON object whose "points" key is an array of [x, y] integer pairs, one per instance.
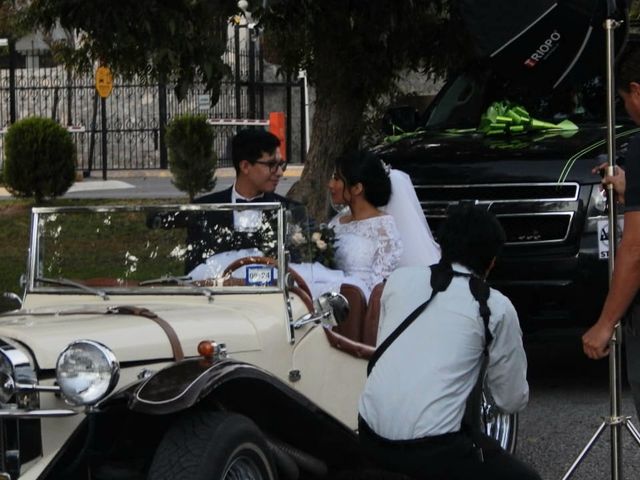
{"points": [[273, 165]]}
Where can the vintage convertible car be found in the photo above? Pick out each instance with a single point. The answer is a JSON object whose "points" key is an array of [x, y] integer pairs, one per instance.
{"points": [[119, 363]]}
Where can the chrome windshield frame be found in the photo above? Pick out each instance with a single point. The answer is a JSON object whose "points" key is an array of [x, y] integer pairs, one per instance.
{"points": [[34, 250]]}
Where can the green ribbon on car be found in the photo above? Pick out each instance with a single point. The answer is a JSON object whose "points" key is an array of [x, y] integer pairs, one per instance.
{"points": [[506, 118], [501, 119]]}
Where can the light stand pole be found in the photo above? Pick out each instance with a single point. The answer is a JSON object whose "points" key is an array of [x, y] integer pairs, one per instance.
{"points": [[615, 421]]}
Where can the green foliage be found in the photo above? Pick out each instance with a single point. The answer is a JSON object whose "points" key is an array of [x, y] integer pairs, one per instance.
{"points": [[14, 238], [360, 47], [10, 19], [39, 159], [192, 160], [179, 40]]}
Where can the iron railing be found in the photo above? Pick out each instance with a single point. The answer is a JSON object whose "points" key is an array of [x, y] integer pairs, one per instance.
{"points": [[31, 84]]}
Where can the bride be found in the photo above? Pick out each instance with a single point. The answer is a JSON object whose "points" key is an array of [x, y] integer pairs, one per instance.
{"points": [[380, 227], [368, 244]]}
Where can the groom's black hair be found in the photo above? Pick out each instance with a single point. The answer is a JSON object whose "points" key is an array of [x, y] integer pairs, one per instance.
{"points": [[250, 144], [362, 166], [470, 236]]}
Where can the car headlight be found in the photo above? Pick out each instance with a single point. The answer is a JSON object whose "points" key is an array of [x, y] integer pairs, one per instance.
{"points": [[87, 371]]}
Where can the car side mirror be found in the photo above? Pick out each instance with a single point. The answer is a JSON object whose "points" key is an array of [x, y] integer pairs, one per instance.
{"points": [[400, 119], [337, 304], [330, 309], [10, 301]]}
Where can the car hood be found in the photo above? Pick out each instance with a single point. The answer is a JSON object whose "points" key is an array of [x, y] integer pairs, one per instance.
{"points": [[46, 332], [436, 155]]}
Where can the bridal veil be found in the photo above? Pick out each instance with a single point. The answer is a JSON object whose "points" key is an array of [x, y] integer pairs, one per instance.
{"points": [[419, 246]]}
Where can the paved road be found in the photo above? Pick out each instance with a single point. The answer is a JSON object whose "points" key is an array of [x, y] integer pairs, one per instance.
{"points": [[569, 395]]}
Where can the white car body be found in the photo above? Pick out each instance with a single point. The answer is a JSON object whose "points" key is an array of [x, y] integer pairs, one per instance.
{"points": [[101, 367]]}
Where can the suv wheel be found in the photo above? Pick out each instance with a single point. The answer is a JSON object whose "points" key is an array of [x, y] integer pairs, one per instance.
{"points": [[212, 446]]}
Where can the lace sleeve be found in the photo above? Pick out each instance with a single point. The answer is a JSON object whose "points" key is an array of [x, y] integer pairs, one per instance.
{"points": [[389, 250]]}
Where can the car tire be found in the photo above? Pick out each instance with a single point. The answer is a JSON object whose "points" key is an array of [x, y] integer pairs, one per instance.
{"points": [[204, 445]]}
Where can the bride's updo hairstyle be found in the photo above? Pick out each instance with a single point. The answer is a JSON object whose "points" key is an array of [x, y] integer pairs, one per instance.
{"points": [[364, 167]]}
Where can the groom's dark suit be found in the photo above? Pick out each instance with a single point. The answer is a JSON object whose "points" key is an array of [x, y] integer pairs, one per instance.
{"points": [[211, 232]]}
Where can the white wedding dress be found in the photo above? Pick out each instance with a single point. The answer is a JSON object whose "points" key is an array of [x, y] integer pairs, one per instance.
{"points": [[367, 251]]}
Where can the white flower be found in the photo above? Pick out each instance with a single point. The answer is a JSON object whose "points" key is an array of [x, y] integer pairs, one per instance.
{"points": [[298, 238], [128, 257], [316, 236], [322, 245]]}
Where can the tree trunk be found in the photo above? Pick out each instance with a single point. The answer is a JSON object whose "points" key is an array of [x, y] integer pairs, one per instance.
{"points": [[337, 127]]}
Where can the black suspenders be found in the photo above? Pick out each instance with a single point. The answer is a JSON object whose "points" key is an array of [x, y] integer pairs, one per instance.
{"points": [[441, 276]]}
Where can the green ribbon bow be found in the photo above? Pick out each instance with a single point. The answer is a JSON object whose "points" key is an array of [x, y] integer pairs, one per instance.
{"points": [[501, 118], [506, 118]]}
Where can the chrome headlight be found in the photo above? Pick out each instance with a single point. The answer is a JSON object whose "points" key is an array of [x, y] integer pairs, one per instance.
{"points": [[87, 371]]}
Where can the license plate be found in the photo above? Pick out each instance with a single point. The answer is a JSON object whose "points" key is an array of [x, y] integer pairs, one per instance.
{"points": [[260, 275]]}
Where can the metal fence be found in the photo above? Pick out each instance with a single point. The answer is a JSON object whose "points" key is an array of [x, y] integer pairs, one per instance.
{"points": [[136, 112]]}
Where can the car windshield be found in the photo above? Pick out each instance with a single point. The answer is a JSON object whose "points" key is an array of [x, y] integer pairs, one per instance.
{"points": [[93, 250], [465, 98]]}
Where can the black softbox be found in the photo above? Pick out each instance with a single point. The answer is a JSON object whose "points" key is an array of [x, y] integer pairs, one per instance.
{"points": [[540, 44]]}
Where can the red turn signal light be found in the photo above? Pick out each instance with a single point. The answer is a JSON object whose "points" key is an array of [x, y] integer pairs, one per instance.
{"points": [[207, 348], [211, 349]]}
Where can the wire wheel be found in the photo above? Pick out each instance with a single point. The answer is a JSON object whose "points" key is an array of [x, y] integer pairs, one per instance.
{"points": [[247, 463], [502, 427]]}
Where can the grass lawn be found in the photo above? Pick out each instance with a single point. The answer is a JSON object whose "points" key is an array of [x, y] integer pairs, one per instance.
{"points": [[14, 233]]}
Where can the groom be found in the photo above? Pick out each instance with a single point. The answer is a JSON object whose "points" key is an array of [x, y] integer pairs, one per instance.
{"points": [[259, 166]]}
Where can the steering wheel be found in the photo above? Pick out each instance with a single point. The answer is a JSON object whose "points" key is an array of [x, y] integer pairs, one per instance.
{"points": [[241, 262]]}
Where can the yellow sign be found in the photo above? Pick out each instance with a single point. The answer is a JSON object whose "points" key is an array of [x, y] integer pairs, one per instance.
{"points": [[104, 81]]}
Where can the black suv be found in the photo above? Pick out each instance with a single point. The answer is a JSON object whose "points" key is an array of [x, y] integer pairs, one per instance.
{"points": [[553, 267]]}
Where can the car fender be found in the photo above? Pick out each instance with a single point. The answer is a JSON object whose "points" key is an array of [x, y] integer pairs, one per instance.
{"points": [[184, 384], [278, 409]]}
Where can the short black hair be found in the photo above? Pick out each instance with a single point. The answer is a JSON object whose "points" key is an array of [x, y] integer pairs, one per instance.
{"points": [[250, 144], [471, 236], [628, 68], [362, 166]]}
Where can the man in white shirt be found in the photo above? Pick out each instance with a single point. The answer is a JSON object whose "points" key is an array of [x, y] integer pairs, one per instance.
{"points": [[413, 404]]}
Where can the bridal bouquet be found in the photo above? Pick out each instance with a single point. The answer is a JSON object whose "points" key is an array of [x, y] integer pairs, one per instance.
{"points": [[315, 246]]}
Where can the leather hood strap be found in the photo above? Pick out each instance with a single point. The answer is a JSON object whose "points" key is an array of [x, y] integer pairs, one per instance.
{"points": [[174, 341], [176, 348]]}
